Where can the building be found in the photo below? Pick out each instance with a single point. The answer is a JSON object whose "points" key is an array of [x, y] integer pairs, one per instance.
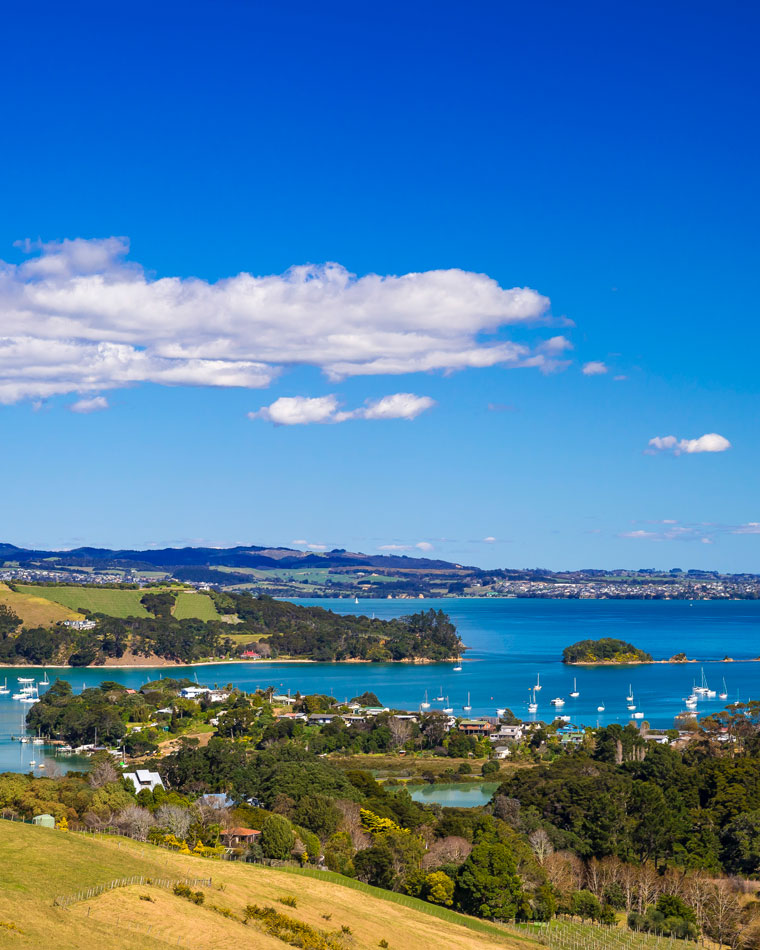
{"points": [[239, 837], [193, 692], [80, 624], [46, 821], [508, 733], [142, 778], [475, 727]]}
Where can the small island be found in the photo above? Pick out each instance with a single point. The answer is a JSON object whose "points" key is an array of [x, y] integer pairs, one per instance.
{"points": [[606, 651]]}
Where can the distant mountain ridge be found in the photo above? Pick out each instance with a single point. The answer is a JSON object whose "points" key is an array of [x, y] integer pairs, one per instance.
{"points": [[251, 556]]}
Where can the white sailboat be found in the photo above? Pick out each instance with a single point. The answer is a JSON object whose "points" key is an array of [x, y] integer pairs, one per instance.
{"points": [[691, 701], [45, 681], [638, 715], [532, 705], [447, 708], [575, 694], [439, 697], [425, 704], [356, 600], [703, 689], [458, 667], [629, 697], [4, 688], [600, 708], [631, 704], [537, 687], [724, 694], [468, 707]]}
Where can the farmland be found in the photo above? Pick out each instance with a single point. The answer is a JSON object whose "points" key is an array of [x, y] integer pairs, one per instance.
{"points": [[102, 600], [36, 610], [65, 600], [190, 605], [42, 864]]}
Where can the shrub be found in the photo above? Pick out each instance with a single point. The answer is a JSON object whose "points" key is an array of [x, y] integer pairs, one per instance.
{"points": [[288, 901]]}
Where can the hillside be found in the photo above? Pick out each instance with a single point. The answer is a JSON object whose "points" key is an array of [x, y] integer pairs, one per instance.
{"points": [[41, 864], [35, 609]]}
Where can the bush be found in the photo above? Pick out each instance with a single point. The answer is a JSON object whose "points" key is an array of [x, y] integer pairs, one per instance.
{"points": [[288, 901], [490, 768]]}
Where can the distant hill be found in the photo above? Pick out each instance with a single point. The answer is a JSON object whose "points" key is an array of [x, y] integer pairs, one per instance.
{"points": [[250, 556]]}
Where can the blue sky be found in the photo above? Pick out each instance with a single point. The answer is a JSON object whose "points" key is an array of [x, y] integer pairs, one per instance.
{"points": [[603, 156]]}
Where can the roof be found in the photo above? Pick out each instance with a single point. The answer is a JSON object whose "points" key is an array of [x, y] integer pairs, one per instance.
{"points": [[240, 832]]}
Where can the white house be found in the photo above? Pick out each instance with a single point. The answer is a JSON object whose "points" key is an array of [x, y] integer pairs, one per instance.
{"points": [[193, 692], [142, 778]]}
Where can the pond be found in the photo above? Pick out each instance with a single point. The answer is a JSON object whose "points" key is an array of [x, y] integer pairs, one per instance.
{"points": [[454, 795]]}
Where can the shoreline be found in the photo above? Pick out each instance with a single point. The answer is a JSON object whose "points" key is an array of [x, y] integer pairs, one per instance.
{"points": [[168, 664]]}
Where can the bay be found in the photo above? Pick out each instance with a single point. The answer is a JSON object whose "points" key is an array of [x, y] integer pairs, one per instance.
{"points": [[511, 642]]}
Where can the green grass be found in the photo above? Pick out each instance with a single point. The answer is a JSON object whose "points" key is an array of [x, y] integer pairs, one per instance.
{"points": [[198, 606], [121, 603], [114, 603]]}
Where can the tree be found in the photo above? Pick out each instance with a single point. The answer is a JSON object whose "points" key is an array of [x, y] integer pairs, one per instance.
{"points": [[375, 865], [9, 622], [439, 889], [583, 904], [487, 884], [541, 844], [277, 838], [741, 843]]}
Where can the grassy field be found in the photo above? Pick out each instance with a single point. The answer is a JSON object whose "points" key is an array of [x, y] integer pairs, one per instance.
{"points": [[40, 864], [36, 611], [118, 603], [115, 603], [195, 605]]}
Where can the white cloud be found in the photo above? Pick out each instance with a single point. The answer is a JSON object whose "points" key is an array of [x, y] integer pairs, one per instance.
{"points": [[317, 547], [303, 410], [424, 546], [95, 404], [76, 317], [640, 534], [394, 547], [298, 410], [710, 442], [489, 540], [752, 527], [300, 542], [594, 368], [706, 540]]}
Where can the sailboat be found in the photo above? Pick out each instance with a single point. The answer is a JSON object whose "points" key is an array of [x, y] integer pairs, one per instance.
{"points": [[439, 697], [45, 681], [425, 704], [629, 697], [575, 694], [600, 708], [703, 689], [4, 688], [356, 600], [724, 694], [532, 705], [537, 687], [468, 707], [458, 667], [447, 708]]}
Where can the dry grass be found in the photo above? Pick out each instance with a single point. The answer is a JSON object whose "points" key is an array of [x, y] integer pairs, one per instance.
{"points": [[39, 864], [36, 611]]}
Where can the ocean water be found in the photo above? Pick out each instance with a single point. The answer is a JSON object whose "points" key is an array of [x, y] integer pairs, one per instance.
{"points": [[511, 644]]}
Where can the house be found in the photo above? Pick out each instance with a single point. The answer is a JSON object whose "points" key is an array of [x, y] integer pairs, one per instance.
{"points": [[80, 624], [475, 727], [508, 733], [502, 752], [193, 692], [218, 696], [238, 837], [322, 719], [46, 821], [282, 700], [143, 778], [250, 655], [217, 800]]}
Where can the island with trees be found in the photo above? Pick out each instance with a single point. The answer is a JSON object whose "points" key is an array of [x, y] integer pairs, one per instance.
{"points": [[606, 651]]}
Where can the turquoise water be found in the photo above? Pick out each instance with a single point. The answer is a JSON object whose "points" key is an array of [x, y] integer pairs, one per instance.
{"points": [[453, 796], [511, 642]]}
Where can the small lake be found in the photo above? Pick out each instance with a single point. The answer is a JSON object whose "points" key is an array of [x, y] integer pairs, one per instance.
{"points": [[454, 795]]}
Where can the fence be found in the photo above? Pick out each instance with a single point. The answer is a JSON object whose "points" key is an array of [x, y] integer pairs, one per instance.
{"points": [[98, 889]]}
